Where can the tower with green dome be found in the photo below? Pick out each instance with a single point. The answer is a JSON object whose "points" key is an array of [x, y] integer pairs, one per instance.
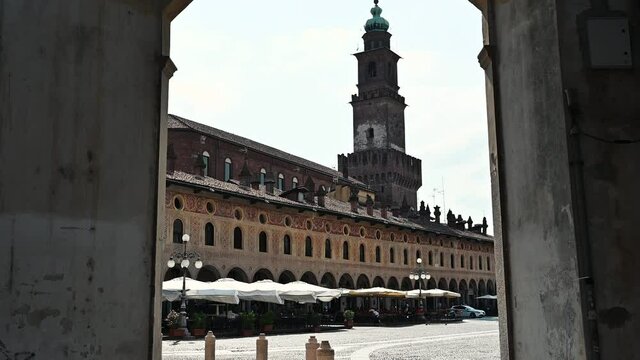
{"points": [[379, 157]]}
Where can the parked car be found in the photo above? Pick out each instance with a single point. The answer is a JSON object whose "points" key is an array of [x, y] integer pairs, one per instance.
{"points": [[466, 311]]}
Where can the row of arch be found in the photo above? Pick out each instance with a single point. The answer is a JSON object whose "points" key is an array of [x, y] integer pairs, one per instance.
{"points": [[472, 287]]}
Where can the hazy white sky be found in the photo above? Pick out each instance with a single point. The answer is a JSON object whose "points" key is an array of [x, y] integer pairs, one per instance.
{"points": [[281, 72]]}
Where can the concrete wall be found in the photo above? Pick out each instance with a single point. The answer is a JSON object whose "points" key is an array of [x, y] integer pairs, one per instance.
{"points": [[82, 94], [565, 192]]}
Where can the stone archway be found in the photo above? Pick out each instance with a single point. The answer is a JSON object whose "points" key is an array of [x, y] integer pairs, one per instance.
{"points": [[208, 273], [328, 280], [482, 289], [309, 278], [491, 289], [406, 284], [263, 274], [286, 277], [346, 282], [378, 282], [453, 286], [431, 283], [363, 282], [238, 274], [442, 284], [473, 293], [172, 273], [392, 283], [463, 290]]}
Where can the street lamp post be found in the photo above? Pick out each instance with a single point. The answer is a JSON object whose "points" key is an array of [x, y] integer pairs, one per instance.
{"points": [[420, 274], [184, 257]]}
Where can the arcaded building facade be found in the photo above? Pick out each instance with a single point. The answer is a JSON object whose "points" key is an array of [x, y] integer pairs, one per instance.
{"points": [[255, 212]]}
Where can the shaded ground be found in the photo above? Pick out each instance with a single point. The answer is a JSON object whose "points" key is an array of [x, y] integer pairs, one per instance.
{"points": [[471, 339]]}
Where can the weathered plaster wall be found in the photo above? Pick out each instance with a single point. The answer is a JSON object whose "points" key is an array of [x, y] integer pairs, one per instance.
{"points": [[537, 213], [80, 137], [605, 104], [555, 242]]}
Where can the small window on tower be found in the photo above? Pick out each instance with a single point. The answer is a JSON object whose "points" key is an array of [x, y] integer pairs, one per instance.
{"points": [[372, 69], [370, 133]]}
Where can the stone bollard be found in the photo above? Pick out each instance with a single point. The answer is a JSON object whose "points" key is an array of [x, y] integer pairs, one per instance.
{"points": [[261, 347], [312, 346], [210, 346], [325, 352]]}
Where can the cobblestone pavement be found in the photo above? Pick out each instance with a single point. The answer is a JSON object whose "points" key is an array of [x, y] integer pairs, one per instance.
{"points": [[471, 339]]}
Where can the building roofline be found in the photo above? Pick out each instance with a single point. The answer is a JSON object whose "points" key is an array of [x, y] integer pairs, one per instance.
{"points": [[284, 202]]}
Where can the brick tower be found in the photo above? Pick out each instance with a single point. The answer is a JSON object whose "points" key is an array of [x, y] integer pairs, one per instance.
{"points": [[378, 157]]}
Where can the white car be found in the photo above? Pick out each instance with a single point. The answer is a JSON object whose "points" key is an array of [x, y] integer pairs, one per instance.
{"points": [[467, 311]]}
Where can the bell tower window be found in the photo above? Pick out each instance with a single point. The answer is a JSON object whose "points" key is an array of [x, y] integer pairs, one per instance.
{"points": [[372, 70]]}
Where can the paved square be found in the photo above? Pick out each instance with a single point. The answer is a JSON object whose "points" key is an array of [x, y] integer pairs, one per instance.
{"points": [[471, 339]]}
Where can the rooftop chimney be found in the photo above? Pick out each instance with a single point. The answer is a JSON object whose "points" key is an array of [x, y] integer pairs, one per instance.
{"points": [[451, 219], [269, 183], [322, 192], [245, 174], [369, 204], [311, 186], [436, 213], [470, 223], [422, 209], [484, 226], [383, 211], [353, 200]]}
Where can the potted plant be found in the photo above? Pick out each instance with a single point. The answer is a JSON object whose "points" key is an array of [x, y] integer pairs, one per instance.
{"points": [[173, 320], [247, 323], [314, 320], [199, 324], [266, 321], [348, 318]]}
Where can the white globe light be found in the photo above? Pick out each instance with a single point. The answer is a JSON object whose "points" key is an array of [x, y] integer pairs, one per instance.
{"points": [[419, 261], [428, 276], [198, 264], [412, 277], [186, 238], [185, 263], [171, 263], [423, 276]]}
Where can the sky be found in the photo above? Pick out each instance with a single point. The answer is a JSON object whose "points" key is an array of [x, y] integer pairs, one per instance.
{"points": [[282, 73]]}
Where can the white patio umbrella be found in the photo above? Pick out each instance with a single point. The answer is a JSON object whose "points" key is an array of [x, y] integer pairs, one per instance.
{"points": [[487, 297], [377, 292], [321, 293], [248, 291], [302, 296], [413, 294], [171, 290]]}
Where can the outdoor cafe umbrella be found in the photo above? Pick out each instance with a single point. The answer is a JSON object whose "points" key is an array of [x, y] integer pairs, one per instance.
{"points": [[487, 297], [302, 295], [195, 289], [249, 291], [377, 292], [413, 294], [321, 293]]}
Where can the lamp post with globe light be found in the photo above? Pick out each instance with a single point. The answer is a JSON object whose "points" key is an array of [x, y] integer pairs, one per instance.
{"points": [[183, 257], [420, 274]]}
